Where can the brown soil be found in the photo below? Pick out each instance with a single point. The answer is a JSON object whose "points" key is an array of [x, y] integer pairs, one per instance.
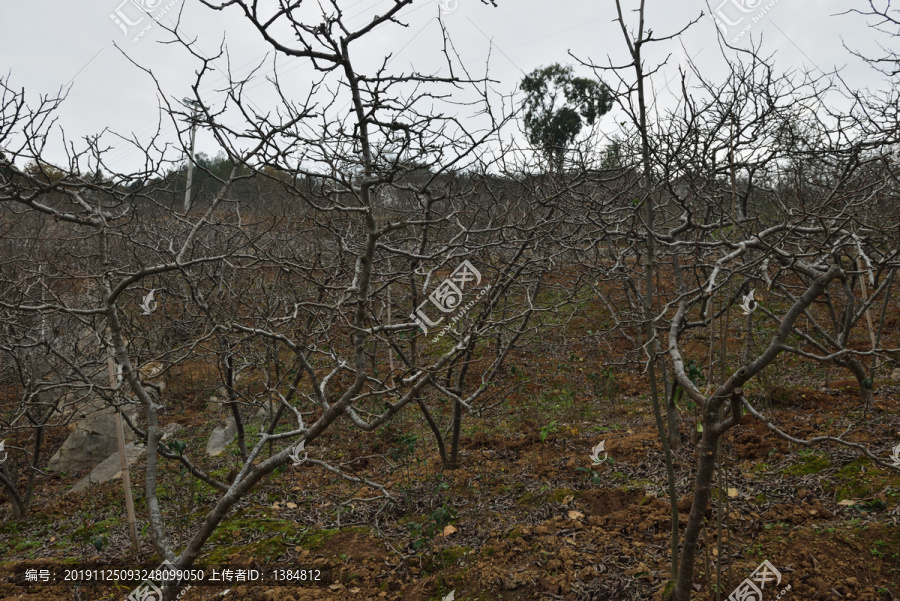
{"points": [[533, 519]]}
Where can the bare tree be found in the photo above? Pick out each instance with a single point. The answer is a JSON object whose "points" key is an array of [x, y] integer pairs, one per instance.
{"points": [[385, 243], [747, 184]]}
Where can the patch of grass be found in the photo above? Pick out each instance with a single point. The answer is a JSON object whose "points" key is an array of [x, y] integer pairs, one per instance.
{"points": [[559, 494], [448, 557], [514, 533], [25, 545], [859, 480], [810, 464], [317, 538], [548, 429], [533, 498], [271, 547], [759, 499], [97, 528]]}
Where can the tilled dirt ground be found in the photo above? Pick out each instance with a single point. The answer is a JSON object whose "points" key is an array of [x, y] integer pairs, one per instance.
{"points": [[530, 519]]}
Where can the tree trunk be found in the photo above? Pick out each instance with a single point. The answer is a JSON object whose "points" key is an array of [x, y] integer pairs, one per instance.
{"points": [[702, 485], [20, 509], [442, 450], [454, 437], [674, 419], [232, 402]]}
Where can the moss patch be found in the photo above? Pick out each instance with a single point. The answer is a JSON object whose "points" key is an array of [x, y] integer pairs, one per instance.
{"points": [[448, 557], [558, 495], [316, 539], [859, 480], [537, 498], [226, 542], [811, 464]]}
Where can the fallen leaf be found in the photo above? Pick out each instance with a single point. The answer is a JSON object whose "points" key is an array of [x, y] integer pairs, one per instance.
{"points": [[354, 590], [291, 506], [448, 530], [847, 502], [733, 492], [568, 499], [575, 515]]}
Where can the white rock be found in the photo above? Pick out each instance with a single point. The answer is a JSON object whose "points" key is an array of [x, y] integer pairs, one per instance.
{"points": [[111, 467], [221, 437], [93, 439]]}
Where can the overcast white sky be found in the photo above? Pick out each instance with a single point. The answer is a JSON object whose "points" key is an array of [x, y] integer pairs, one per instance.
{"points": [[46, 44]]}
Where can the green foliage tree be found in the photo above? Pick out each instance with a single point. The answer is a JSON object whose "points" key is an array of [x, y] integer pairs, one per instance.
{"points": [[557, 104]]}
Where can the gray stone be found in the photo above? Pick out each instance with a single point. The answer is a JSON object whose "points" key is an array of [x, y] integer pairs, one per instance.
{"points": [[221, 437], [170, 430], [111, 467], [264, 412], [216, 405], [93, 439]]}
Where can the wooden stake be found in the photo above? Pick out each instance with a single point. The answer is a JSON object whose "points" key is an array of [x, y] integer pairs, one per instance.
{"points": [[865, 298], [120, 435]]}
